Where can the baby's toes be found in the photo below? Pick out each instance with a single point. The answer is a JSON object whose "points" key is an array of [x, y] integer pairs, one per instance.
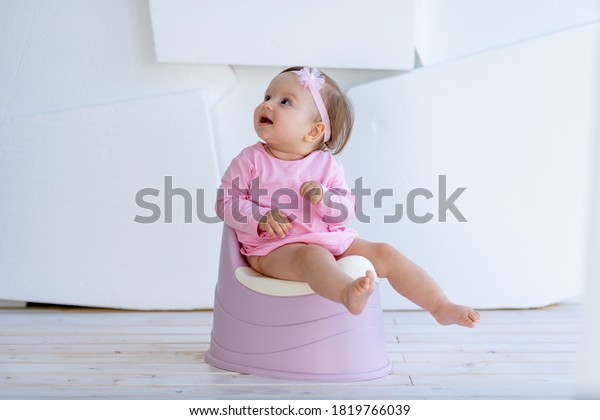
{"points": [[473, 317]]}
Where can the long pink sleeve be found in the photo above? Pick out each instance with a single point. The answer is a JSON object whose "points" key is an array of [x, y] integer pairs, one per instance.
{"points": [[234, 203], [338, 205]]}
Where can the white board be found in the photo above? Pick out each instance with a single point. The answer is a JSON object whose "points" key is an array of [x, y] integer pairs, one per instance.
{"points": [[69, 182], [448, 29], [333, 33], [513, 127], [59, 55]]}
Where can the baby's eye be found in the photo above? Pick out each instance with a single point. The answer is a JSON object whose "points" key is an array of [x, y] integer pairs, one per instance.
{"points": [[267, 97], [285, 101]]}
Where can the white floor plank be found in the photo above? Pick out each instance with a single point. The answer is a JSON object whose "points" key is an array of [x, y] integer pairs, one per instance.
{"points": [[77, 353]]}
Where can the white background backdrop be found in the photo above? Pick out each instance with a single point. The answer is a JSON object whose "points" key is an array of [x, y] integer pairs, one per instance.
{"points": [[99, 99]]}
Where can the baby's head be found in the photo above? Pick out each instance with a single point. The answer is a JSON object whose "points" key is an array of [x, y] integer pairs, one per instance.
{"points": [[340, 112], [302, 103]]}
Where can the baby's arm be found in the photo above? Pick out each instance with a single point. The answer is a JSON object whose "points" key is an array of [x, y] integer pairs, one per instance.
{"points": [[234, 204], [337, 205]]}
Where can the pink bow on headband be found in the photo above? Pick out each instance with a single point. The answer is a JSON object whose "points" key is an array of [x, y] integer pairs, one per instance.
{"points": [[311, 78]]}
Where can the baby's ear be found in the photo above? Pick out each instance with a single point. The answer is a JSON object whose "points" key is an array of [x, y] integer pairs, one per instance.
{"points": [[315, 133]]}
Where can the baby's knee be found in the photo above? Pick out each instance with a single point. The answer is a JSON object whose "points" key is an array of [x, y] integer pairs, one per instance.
{"points": [[384, 250], [385, 258]]}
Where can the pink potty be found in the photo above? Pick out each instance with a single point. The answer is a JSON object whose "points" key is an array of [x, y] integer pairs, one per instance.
{"points": [[293, 334]]}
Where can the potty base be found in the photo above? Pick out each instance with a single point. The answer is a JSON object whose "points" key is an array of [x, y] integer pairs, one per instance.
{"points": [[303, 337]]}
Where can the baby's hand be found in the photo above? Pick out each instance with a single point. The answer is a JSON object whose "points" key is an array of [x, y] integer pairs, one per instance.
{"points": [[312, 192], [274, 223]]}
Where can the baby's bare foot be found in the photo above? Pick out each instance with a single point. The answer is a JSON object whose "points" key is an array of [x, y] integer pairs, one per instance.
{"points": [[449, 313], [356, 294]]}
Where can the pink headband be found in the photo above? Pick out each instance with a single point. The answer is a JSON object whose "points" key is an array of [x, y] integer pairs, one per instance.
{"points": [[311, 78]]}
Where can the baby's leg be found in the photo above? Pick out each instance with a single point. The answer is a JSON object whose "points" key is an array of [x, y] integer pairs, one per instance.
{"points": [[316, 266], [412, 282]]}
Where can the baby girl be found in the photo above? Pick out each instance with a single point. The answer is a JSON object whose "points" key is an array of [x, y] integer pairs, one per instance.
{"points": [[288, 201]]}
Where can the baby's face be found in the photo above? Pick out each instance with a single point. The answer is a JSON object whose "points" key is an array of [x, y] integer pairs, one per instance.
{"points": [[286, 116]]}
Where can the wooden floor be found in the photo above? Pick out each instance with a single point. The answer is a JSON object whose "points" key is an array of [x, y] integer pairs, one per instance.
{"points": [[48, 353]]}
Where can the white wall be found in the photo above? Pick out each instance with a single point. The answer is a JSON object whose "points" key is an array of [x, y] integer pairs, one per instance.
{"points": [[588, 385], [95, 105], [520, 152]]}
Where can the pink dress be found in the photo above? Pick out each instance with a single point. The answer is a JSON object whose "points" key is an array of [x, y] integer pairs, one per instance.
{"points": [[256, 182]]}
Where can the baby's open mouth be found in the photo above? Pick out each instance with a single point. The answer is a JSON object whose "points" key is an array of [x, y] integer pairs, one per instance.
{"points": [[265, 120]]}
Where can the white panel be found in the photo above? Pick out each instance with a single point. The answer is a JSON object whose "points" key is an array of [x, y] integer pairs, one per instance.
{"points": [[58, 55], [512, 126], [333, 33], [68, 183], [448, 29]]}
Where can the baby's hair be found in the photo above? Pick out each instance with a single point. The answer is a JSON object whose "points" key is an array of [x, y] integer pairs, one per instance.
{"points": [[340, 110]]}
